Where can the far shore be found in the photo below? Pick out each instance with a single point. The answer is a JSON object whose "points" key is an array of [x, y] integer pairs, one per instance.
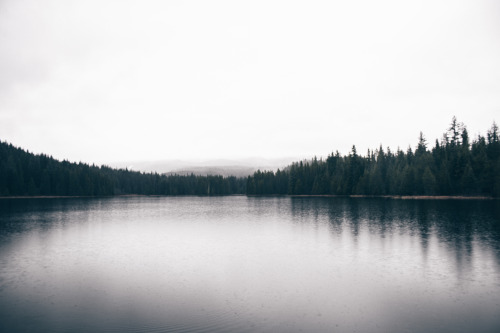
{"points": [[401, 197], [49, 196], [105, 196]]}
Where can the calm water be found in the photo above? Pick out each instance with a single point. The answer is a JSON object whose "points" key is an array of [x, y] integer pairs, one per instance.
{"points": [[237, 264]]}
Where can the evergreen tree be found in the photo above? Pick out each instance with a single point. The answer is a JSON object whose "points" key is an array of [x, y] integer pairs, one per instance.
{"points": [[455, 166]]}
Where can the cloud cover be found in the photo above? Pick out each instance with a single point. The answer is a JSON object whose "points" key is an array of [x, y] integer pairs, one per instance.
{"points": [[127, 80]]}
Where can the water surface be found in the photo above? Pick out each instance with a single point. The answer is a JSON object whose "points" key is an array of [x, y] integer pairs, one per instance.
{"points": [[238, 264]]}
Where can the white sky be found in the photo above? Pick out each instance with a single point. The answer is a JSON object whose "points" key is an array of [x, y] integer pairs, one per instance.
{"points": [[108, 81]]}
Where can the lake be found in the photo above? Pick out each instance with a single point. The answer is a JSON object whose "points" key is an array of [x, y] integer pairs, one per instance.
{"points": [[249, 264]]}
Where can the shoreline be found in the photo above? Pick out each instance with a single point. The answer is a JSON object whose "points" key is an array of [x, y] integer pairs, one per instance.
{"points": [[52, 196], [401, 197], [108, 196], [397, 197]]}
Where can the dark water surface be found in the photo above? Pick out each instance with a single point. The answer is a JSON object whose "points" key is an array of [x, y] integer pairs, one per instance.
{"points": [[237, 264]]}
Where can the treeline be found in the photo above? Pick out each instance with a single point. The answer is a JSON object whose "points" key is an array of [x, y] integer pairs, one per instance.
{"points": [[23, 173], [456, 165]]}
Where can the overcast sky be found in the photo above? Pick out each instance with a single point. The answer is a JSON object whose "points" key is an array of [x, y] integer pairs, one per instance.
{"points": [[108, 81]]}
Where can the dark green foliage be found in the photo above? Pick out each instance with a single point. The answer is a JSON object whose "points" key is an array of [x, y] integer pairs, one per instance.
{"points": [[454, 166], [23, 173]]}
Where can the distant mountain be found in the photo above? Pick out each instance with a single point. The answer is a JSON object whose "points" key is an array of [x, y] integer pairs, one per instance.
{"points": [[225, 167], [226, 171]]}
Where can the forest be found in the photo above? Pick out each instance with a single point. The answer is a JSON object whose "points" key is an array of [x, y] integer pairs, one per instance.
{"points": [[454, 165], [25, 174]]}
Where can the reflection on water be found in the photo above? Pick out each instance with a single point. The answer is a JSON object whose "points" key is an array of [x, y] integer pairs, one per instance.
{"points": [[237, 264]]}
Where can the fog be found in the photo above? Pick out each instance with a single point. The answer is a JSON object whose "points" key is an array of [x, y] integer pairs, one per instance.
{"points": [[149, 81]]}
